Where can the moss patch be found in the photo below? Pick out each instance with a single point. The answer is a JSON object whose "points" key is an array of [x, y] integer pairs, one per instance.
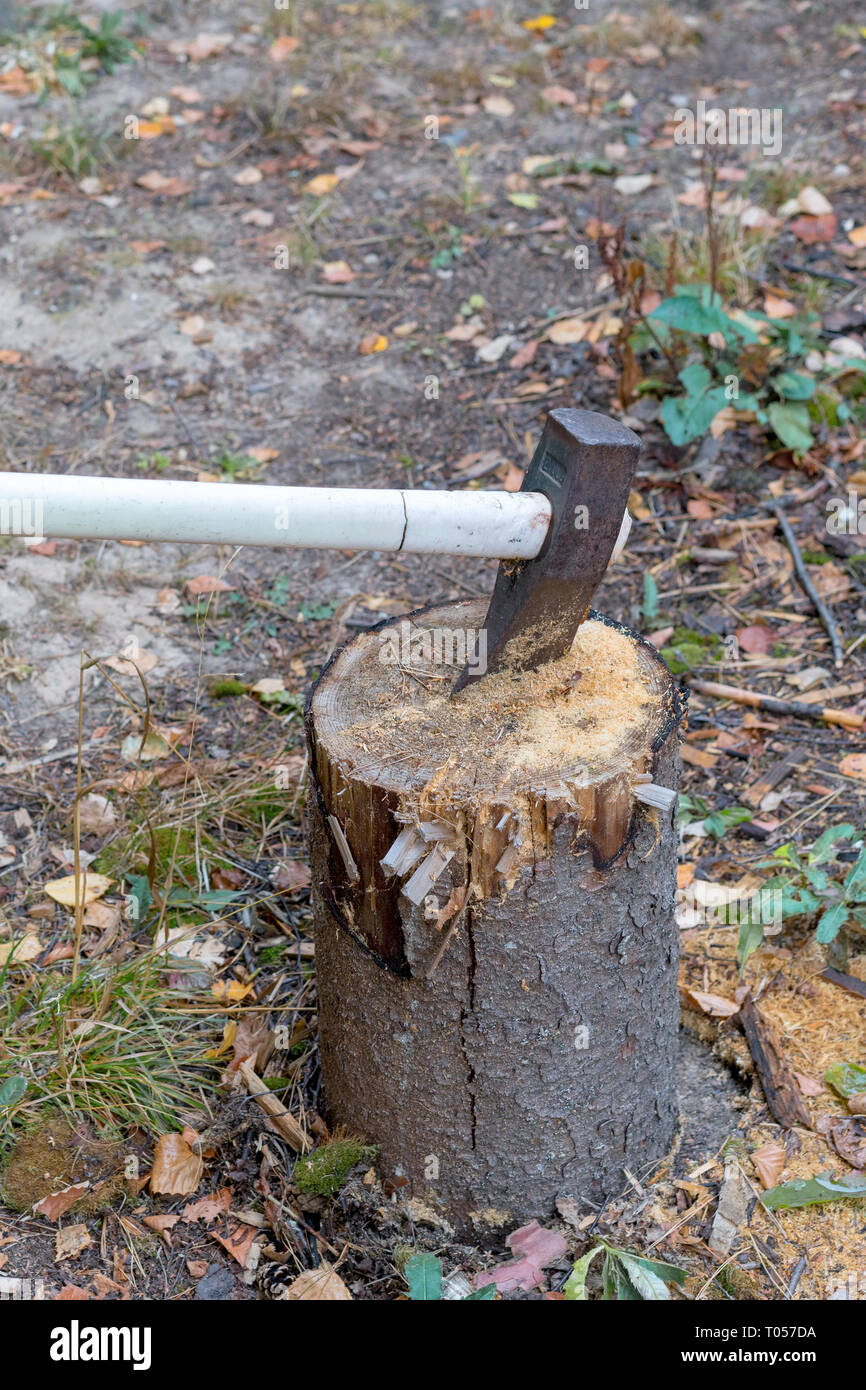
{"points": [[55, 1155], [325, 1171]]}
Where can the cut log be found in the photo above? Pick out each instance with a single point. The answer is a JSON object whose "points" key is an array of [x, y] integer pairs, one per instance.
{"points": [[505, 1029]]}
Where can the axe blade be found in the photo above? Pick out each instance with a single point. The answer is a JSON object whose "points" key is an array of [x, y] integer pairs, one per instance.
{"points": [[584, 465]]}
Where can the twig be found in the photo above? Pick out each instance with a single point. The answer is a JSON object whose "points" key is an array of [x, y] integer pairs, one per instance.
{"points": [[282, 1119], [773, 705], [803, 575], [848, 982]]}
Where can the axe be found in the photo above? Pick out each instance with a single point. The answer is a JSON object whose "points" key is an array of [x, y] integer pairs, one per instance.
{"points": [[554, 538]]}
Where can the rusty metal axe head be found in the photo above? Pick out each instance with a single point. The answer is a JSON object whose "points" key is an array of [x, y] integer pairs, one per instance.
{"points": [[584, 465]]}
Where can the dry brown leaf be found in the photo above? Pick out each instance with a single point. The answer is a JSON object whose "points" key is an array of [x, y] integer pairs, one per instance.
{"points": [[769, 1163], [96, 815], [337, 273], [778, 308], [322, 1283], [207, 584], [161, 1224], [155, 182], [25, 949], [714, 1004], [321, 184], [56, 1203], [70, 1241], [238, 1240], [282, 48], [853, 765], [176, 1169], [208, 1208], [207, 46], [572, 330]]}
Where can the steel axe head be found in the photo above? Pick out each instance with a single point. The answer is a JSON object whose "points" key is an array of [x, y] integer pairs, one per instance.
{"points": [[584, 465]]}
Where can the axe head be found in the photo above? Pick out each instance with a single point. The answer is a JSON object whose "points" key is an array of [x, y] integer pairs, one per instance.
{"points": [[584, 465]]}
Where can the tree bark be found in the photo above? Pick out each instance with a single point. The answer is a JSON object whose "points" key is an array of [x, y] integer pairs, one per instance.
{"points": [[497, 1006]]}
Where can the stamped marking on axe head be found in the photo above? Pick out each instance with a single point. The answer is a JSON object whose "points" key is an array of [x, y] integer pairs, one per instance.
{"points": [[584, 465]]}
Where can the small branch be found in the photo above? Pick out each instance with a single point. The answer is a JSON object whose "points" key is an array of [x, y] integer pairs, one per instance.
{"points": [[773, 705], [803, 575]]}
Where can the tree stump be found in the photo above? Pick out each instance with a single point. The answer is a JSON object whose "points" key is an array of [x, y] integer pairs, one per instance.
{"points": [[496, 947]]}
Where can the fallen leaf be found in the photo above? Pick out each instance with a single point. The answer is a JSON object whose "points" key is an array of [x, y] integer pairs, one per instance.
{"points": [[337, 273], [207, 46], [209, 1207], [290, 876], [131, 665], [282, 48], [176, 1169], [155, 182], [247, 176], [630, 184], [849, 1141], [56, 1203], [322, 1283], [148, 750], [769, 1163], [558, 96], [814, 230], [497, 105], [372, 342], [539, 24], [853, 765], [756, 640], [572, 330], [258, 217], [776, 308], [96, 815], [857, 235], [525, 354], [70, 1241], [206, 584], [190, 96], [162, 1224], [91, 887], [714, 1004], [321, 184], [194, 326], [238, 1241], [810, 200], [537, 1247]]}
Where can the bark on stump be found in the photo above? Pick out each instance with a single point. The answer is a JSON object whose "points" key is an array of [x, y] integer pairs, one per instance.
{"points": [[497, 1003]]}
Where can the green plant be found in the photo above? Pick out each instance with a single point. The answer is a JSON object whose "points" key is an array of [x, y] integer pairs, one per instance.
{"points": [[423, 1274], [707, 351], [715, 823], [805, 887], [624, 1276]]}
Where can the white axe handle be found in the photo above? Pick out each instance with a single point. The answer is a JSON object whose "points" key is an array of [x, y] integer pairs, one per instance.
{"points": [[489, 524]]}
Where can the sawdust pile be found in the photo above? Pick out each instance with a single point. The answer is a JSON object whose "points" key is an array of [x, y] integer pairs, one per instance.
{"points": [[574, 716]]}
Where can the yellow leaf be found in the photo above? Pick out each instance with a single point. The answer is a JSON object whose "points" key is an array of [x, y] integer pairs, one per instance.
{"points": [[568, 331], [321, 184], [539, 23], [25, 948], [62, 890], [374, 342], [857, 235]]}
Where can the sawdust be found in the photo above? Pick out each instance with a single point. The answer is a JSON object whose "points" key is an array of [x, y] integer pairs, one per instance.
{"points": [[819, 1025], [576, 715]]}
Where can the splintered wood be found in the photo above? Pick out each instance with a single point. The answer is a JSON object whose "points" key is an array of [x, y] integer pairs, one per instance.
{"points": [[491, 772]]}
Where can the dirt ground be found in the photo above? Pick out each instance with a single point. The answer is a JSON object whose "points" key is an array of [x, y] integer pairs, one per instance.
{"points": [[326, 259]]}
